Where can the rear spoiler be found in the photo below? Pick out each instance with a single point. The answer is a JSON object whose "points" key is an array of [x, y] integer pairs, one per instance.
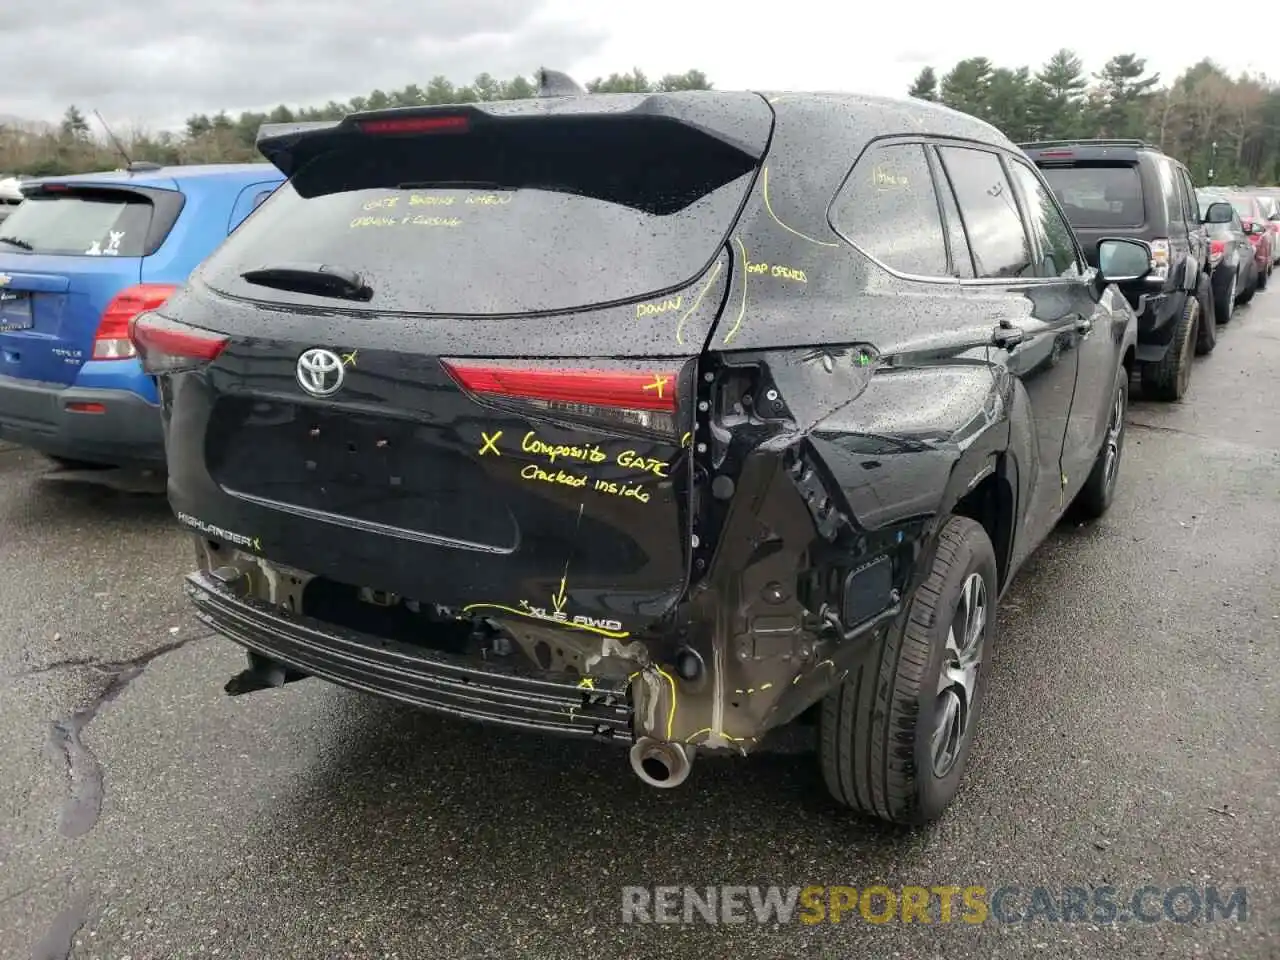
{"points": [[730, 117]]}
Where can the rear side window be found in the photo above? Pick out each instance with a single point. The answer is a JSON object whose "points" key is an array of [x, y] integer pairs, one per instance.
{"points": [[552, 215], [1194, 213], [1053, 236], [1098, 196], [989, 210], [95, 223], [888, 208]]}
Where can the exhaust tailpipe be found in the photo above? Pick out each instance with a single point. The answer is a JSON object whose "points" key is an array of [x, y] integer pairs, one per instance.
{"points": [[661, 763]]}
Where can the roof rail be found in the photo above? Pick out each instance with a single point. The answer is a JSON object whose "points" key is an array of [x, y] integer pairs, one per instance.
{"points": [[1087, 142], [139, 166]]}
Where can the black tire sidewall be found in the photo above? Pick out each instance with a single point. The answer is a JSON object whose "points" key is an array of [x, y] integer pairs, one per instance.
{"points": [[975, 554]]}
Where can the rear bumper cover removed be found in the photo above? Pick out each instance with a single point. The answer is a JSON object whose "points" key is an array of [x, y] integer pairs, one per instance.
{"points": [[413, 675]]}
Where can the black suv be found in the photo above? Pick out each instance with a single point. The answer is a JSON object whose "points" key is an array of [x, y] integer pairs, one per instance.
{"points": [[659, 419], [1128, 188]]}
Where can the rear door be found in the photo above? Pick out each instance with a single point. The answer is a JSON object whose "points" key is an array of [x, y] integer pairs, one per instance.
{"points": [[499, 419], [64, 254]]}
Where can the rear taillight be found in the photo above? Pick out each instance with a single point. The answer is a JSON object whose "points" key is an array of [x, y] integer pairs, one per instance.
{"points": [[1216, 249], [1159, 260], [642, 399], [168, 347], [1057, 153], [434, 124], [111, 342]]}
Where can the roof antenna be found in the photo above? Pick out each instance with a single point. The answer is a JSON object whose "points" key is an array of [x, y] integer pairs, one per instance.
{"points": [[553, 83], [120, 147]]}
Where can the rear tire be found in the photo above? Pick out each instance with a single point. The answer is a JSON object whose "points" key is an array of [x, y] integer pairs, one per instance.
{"points": [[1094, 499], [1224, 303], [1207, 335], [894, 736], [1250, 290], [1167, 379]]}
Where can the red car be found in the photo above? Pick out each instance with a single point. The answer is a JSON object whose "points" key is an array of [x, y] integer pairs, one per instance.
{"points": [[1259, 230], [1270, 205]]}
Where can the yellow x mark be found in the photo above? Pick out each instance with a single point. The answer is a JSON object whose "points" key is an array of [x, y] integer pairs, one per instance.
{"points": [[490, 443], [658, 384]]}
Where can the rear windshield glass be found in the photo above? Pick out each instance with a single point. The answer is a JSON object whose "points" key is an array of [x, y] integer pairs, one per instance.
{"points": [[101, 223], [1243, 206], [560, 215], [1109, 196]]}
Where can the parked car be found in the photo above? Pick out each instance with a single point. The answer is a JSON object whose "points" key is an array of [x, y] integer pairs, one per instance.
{"points": [[78, 259], [1251, 216], [1127, 188], [1234, 270], [709, 423], [1269, 205]]}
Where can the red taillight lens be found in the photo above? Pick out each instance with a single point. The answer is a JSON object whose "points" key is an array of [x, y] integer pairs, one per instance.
{"points": [[168, 347], [645, 399], [1246, 222], [1217, 248], [1058, 153], [449, 124], [111, 342]]}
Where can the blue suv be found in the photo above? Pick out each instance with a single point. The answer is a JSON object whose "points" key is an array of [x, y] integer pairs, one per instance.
{"points": [[80, 257]]}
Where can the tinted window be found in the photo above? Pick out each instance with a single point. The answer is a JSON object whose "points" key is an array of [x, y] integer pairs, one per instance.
{"points": [[88, 223], [1109, 196], [957, 242], [997, 237], [1193, 205], [888, 207], [562, 216], [1053, 236]]}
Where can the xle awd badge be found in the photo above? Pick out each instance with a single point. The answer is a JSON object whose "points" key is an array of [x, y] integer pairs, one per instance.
{"points": [[320, 372]]}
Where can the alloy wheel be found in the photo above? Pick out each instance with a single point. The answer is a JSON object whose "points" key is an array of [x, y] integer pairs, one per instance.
{"points": [[1115, 432], [958, 679]]}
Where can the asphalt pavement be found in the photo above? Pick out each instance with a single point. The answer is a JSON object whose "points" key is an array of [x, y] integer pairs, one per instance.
{"points": [[1132, 736]]}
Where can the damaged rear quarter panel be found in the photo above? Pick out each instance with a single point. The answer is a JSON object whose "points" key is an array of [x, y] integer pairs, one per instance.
{"points": [[844, 412]]}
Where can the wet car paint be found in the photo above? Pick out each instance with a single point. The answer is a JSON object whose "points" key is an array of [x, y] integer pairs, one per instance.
{"points": [[835, 413]]}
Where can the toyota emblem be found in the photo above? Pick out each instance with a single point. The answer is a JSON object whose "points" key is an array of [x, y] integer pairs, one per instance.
{"points": [[320, 372]]}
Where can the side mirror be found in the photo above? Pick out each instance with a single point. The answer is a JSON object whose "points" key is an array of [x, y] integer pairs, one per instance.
{"points": [[1121, 260], [1257, 228], [1218, 213]]}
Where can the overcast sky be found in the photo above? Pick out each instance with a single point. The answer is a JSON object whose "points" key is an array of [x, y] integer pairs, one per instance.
{"points": [[154, 62]]}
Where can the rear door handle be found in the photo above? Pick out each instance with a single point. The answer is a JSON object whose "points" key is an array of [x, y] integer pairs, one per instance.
{"points": [[1007, 335]]}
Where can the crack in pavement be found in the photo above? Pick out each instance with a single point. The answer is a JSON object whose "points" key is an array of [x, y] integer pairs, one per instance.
{"points": [[1224, 441], [109, 667], [58, 940], [83, 804]]}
